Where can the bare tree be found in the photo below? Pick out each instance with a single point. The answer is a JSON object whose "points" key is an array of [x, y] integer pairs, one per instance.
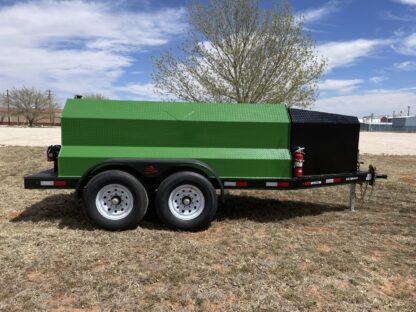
{"points": [[94, 96], [2, 107], [5, 105], [31, 103], [53, 104], [236, 52]]}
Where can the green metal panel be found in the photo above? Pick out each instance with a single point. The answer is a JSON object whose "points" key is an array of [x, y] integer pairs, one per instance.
{"points": [[237, 140]]}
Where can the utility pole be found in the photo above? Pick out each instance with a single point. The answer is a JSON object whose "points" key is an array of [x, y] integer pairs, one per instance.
{"points": [[371, 121], [51, 119], [408, 111], [8, 106]]}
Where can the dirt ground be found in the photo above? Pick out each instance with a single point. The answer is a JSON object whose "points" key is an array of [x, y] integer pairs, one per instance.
{"points": [[266, 251], [388, 143], [376, 143], [23, 136]]}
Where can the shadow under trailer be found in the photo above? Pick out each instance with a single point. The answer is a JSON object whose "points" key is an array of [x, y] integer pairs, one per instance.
{"points": [[116, 154]]}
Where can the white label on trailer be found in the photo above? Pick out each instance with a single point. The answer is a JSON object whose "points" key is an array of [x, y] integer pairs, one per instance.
{"points": [[351, 178], [368, 178], [316, 182], [271, 184], [229, 183], [46, 183], [329, 181]]}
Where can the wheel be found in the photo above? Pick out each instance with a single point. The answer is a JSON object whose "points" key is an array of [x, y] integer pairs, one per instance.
{"points": [[115, 200], [186, 201]]}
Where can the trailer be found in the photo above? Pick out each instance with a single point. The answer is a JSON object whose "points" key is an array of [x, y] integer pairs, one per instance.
{"points": [[118, 154]]}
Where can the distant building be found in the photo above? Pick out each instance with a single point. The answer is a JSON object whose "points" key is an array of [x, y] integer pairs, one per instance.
{"points": [[388, 123], [408, 121], [376, 119]]}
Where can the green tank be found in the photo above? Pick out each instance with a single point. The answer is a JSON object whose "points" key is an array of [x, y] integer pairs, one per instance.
{"points": [[236, 140]]}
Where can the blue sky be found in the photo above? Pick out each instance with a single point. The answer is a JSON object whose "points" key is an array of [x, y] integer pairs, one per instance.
{"points": [[73, 47]]}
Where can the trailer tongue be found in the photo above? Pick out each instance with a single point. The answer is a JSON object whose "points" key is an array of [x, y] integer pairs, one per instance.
{"points": [[184, 151]]}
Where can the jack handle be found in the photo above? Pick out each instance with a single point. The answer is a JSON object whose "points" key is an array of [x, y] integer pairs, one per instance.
{"points": [[375, 175]]}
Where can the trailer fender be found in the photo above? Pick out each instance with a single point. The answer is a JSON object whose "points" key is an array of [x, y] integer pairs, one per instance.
{"points": [[146, 169]]}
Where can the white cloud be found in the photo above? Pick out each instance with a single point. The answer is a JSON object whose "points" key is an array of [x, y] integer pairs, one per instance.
{"points": [[409, 2], [347, 53], [407, 45], [378, 79], [317, 14], [144, 91], [395, 17], [378, 102], [405, 66], [77, 46], [342, 86]]}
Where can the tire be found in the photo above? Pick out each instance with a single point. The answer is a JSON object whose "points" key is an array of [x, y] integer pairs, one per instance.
{"points": [[186, 201], [115, 200]]}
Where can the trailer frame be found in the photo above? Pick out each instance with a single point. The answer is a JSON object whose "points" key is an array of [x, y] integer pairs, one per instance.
{"points": [[153, 171]]}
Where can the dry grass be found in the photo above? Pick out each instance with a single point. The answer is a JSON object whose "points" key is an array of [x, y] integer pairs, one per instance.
{"points": [[281, 251]]}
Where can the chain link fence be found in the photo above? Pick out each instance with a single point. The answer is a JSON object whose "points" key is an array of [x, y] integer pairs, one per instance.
{"points": [[386, 128]]}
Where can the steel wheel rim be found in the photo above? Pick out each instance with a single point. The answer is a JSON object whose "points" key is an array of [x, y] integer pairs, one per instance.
{"points": [[186, 202], [109, 207]]}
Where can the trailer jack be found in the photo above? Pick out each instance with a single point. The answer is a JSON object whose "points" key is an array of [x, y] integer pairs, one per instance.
{"points": [[370, 180], [353, 196]]}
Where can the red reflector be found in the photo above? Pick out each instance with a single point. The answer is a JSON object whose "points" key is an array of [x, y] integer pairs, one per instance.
{"points": [[241, 184], [337, 180], [283, 184], [307, 183], [59, 183]]}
